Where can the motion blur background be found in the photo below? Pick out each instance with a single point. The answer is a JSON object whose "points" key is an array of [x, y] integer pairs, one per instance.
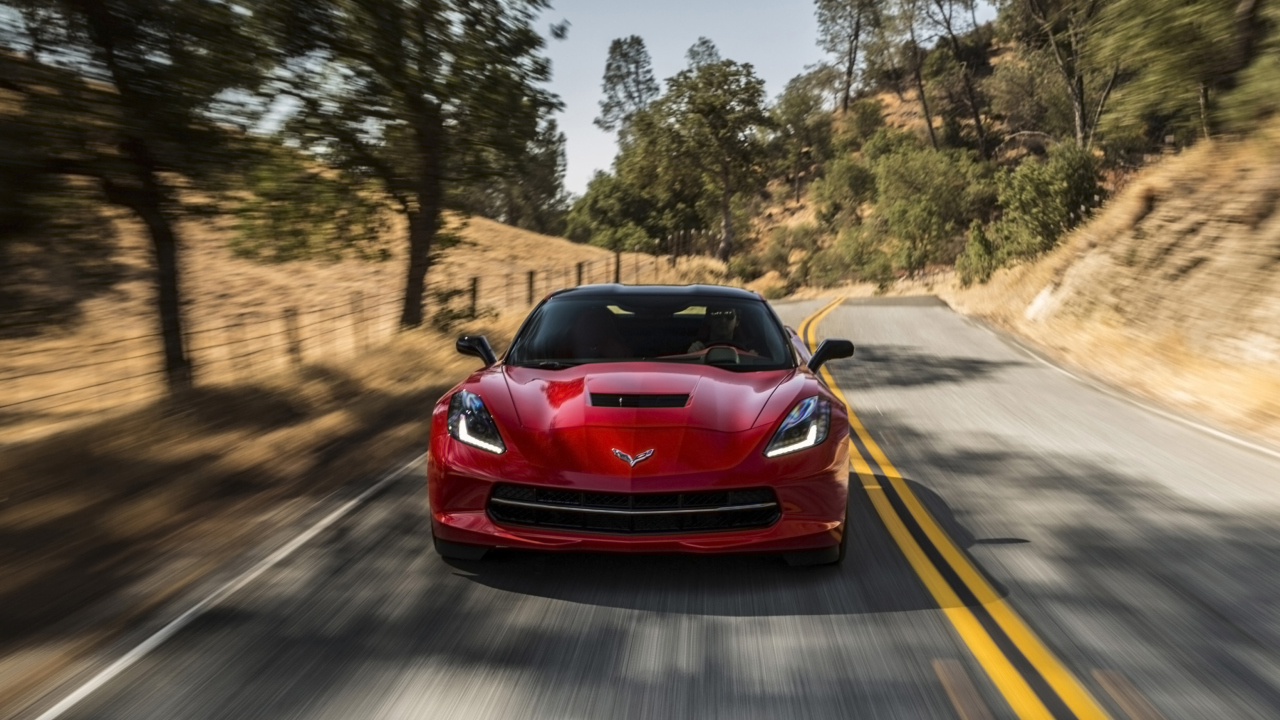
{"points": [[236, 236]]}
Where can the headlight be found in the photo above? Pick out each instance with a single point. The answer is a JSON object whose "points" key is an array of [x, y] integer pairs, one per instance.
{"points": [[471, 423], [804, 427]]}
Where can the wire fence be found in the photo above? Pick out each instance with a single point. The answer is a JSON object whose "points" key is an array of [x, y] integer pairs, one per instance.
{"points": [[63, 382]]}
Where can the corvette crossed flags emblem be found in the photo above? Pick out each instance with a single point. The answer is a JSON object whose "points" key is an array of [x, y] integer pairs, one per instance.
{"points": [[633, 460]]}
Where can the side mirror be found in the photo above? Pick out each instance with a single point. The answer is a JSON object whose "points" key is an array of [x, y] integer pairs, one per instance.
{"points": [[478, 346], [830, 350]]}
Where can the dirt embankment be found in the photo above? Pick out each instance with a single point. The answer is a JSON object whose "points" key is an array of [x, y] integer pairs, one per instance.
{"points": [[1172, 290]]}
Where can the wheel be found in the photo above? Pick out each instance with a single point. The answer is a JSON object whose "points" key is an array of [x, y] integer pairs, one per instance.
{"points": [[456, 551], [833, 555]]}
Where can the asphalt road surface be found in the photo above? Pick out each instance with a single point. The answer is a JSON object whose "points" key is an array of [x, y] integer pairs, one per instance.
{"points": [[1138, 558]]}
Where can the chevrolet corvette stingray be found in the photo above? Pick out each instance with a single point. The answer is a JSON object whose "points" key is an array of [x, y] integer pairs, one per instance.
{"points": [[643, 419]]}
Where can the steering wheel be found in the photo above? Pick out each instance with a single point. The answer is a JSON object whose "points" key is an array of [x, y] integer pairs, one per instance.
{"points": [[740, 350]]}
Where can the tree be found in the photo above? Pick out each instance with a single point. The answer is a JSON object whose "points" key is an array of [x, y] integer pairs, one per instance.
{"points": [[1213, 43], [802, 129], [126, 92], [926, 196], [1066, 30], [703, 52], [422, 96], [948, 17], [1042, 200], [629, 85], [842, 25], [708, 122], [900, 37], [529, 191]]}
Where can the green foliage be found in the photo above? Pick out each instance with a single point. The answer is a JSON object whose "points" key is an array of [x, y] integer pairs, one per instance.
{"points": [[1255, 95], [888, 141], [426, 98], [701, 53], [857, 254], [796, 237], [295, 210], [1028, 92], [925, 196], [610, 202], [624, 238], [978, 260], [841, 192], [1042, 199], [843, 28], [629, 85], [864, 118], [746, 266], [528, 192], [802, 130], [687, 162], [1175, 67]]}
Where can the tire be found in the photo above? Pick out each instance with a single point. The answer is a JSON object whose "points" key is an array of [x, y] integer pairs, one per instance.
{"points": [[833, 555], [456, 551]]}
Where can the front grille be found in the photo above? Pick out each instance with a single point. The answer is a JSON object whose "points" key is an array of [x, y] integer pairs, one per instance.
{"points": [[634, 513], [638, 401]]}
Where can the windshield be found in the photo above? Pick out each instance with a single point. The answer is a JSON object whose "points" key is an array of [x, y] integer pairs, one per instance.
{"points": [[738, 334]]}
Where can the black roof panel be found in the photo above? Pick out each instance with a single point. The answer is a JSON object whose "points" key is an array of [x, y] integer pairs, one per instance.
{"points": [[616, 290]]}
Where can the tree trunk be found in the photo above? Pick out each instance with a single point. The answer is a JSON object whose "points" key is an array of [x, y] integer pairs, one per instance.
{"points": [[796, 171], [147, 199], [970, 93], [1078, 110], [424, 219], [1204, 110], [924, 102], [421, 235], [916, 61], [853, 61], [177, 365], [726, 214]]}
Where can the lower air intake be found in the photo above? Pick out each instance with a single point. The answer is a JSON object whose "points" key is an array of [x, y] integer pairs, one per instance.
{"points": [[634, 513]]}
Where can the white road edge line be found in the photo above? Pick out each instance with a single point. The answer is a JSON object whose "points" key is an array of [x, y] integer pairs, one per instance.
{"points": [[1030, 352], [168, 631]]}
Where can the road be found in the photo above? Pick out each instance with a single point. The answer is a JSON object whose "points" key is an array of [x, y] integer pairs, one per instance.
{"points": [[1139, 553]]}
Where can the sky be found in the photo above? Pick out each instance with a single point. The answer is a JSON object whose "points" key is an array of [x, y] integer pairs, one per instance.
{"points": [[778, 37]]}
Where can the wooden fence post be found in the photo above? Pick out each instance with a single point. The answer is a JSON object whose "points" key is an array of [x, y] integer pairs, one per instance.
{"points": [[293, 343], [235, 342], [617, 267], [579, 273], [475, 294], [529, 301], [361, 337]]}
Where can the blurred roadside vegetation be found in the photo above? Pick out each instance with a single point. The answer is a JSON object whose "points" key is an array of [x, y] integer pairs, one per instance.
{"points": [[308, 122], [929, 139]]}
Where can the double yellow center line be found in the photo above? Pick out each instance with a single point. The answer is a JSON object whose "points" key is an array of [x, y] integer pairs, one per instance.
{"points": [[1034, 682]]}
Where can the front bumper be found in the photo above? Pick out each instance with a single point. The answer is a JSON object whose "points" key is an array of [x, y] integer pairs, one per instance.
{"points": [[812, 509]]}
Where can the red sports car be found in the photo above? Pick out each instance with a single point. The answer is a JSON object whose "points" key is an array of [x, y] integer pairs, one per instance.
{"points": [[643, 419]]}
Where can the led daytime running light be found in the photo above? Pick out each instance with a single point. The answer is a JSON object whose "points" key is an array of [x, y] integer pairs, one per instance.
{"points": [[470, 439]]}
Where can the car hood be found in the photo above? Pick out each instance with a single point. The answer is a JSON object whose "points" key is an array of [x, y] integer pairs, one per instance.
{"points": [[718, 399], [562, 430]]}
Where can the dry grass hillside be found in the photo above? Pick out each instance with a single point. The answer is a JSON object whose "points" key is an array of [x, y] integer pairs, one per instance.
{"points": [[1172, 290], [85, 343]]}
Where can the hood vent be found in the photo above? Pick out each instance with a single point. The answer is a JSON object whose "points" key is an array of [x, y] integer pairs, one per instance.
{"points": [[639, 401]]}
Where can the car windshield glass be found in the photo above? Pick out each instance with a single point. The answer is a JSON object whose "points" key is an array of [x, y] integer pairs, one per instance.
{"points": [[738, 334]]}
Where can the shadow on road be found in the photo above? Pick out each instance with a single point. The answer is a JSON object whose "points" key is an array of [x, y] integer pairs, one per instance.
{"points": [[902, 366]]}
